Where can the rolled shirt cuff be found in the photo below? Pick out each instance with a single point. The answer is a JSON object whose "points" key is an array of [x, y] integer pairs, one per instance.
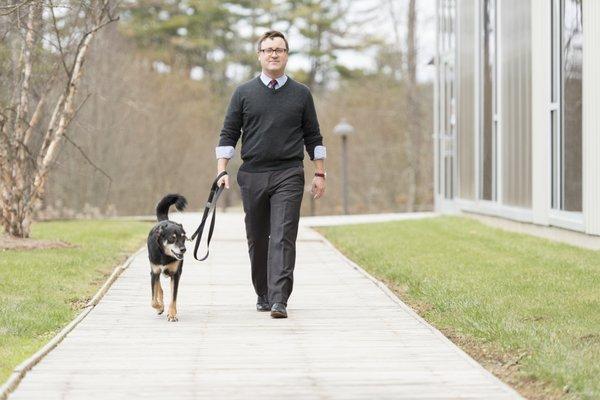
{"points": [[224, 151], [229, 151], [320, 153]]}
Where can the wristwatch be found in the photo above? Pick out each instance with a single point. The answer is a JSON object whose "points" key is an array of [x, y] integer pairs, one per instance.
{"points": [[322, 175]]}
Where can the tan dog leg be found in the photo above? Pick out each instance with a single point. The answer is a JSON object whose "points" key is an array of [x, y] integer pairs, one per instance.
{"points": [[159, 298], [157, 294], [172, 314]]}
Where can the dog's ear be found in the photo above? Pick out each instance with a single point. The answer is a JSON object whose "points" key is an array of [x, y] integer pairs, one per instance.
{"points": [[159, 233]]}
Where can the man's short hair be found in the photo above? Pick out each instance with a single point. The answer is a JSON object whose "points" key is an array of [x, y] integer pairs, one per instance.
{"points": [[271, 35]]}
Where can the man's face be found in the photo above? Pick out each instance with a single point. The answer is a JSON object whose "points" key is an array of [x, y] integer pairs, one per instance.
{"points": [[273, 64]]}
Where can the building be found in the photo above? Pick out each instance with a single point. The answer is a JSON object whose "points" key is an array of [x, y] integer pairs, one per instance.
{"points": [[517, 110]]}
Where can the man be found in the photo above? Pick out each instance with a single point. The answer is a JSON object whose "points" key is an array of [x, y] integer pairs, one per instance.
{"points": [[277, 117]]}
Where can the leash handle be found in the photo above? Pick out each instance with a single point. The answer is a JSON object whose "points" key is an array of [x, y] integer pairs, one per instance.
{"points": [[215, 192]]}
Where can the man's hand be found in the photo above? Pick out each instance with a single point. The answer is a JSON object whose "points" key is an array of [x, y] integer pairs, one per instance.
{"points": [[318, 187], [223, 181], [221, 167]]}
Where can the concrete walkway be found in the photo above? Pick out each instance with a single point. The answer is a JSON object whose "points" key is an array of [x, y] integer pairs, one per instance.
{"points": [[346, 338]]}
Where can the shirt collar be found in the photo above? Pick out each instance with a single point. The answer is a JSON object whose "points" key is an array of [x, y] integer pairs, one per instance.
{"points": [[280, 81]]}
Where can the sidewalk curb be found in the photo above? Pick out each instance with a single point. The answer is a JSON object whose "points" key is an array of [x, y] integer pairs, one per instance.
{"points": [[21, 370], [491, 377]]}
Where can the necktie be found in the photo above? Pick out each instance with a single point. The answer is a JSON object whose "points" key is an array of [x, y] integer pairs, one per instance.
{"points": [[273, 84]]}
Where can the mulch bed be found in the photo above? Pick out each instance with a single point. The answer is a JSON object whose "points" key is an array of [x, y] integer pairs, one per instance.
{"points": [[14, 243]]}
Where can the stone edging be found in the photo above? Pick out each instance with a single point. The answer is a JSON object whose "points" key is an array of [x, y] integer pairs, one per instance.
{"points": [[22, 369], [416, 316]]}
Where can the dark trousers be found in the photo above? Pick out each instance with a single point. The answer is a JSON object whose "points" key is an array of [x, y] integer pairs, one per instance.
{"points": [[272, 205]]}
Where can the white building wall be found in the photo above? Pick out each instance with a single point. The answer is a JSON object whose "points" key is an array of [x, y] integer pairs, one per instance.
{"points": [[540, 114], [591, 116], [541, 212]]}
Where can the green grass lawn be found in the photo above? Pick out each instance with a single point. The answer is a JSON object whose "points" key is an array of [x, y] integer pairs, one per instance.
{"points": [[532, 304], [42, 290]]}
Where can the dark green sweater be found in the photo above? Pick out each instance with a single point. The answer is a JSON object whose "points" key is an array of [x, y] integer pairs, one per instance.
{"points": [[274, 124]]}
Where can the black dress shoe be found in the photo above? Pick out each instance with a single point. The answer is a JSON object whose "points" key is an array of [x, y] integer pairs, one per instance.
{"points": [[278, 310], [262, 304]]}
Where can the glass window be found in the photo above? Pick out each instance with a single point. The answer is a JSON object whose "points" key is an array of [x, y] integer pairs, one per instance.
{"points": [[572, 50], [446, 90], [566, 104], [466, 71], [514, 84], [489, 101]]}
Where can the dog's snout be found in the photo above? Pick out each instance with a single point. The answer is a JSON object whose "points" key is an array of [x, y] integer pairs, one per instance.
{"points": [[182, 250]]}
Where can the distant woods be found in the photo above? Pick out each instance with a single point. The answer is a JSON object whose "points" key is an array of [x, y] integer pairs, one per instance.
{"points": [[157, 83]]}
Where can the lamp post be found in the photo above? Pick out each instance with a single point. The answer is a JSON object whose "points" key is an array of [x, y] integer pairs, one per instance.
{"points": [[344, 129]]}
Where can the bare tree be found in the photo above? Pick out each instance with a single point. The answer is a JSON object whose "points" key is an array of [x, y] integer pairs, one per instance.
{"points": [[43, 51], [413, 126], [402, 58]]}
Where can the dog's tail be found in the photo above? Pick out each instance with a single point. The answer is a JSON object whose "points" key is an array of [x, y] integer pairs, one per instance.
{"points": [[162, 209]]}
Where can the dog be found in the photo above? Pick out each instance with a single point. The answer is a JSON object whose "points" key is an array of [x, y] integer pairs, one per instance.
{"points": [[166, 247]]}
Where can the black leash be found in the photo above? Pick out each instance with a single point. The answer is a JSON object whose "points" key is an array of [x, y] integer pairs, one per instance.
{"points": [[215, 192]]}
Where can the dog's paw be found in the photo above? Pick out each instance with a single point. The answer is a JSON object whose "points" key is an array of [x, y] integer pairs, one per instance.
{"points": [[172, 318], [160, 308]]}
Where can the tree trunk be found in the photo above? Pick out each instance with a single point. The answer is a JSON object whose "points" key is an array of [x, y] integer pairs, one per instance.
{"points": [[16, 220], [412, 131], [15, 216]]}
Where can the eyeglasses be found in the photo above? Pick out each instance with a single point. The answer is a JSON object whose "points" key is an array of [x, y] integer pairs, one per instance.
{"points": [[270, 51]]}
